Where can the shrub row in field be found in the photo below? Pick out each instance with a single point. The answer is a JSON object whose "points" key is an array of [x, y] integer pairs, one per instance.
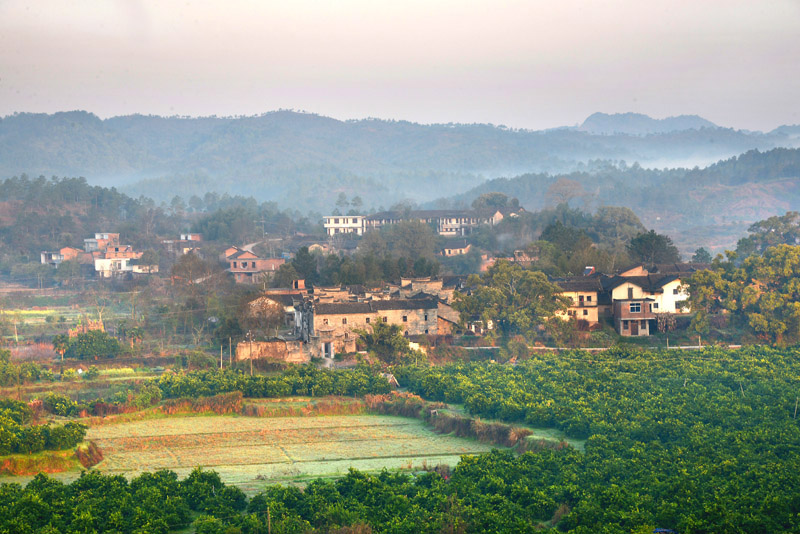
{"points": [[436, 415], [484, 494], [297, 380], [17, 435]]}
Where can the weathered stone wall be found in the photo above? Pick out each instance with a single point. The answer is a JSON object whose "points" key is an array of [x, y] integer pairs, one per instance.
{"points": [[416, 322], [286, 351]]}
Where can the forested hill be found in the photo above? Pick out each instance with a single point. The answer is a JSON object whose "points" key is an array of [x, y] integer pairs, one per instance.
{"points": [[709, 207], [307, 160], [638, 124]]}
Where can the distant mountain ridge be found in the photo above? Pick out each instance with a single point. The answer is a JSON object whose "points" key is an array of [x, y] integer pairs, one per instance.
{"points": [[639, 124], [307, 160]]}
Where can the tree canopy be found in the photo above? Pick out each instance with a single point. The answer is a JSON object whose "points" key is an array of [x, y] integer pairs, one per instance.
{"points": [[760, 294], [512, 299], [651, 248]]}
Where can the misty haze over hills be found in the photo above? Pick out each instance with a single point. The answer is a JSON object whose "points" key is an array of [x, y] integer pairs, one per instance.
{"points": [[304, 161], [308, 159], [710, 207]]}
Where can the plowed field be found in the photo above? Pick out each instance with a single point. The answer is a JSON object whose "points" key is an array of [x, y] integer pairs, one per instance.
{"points": [[251, 452]]}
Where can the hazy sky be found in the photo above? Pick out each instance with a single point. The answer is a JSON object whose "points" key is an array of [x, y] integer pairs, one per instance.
{"points": [[529, 64]]}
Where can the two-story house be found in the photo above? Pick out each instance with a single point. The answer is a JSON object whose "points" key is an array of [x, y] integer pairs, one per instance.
{"points": [[641, 298], [334, 323], [247, 268], [343, 224], [584, 293]]}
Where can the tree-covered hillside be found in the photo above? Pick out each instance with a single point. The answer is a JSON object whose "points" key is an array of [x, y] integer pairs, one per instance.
{"points": [[308, 159], [638, 124], [709, 207]]}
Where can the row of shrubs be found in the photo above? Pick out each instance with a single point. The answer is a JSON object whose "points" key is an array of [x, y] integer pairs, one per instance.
{"points": [[445, 422], [18, 435]]}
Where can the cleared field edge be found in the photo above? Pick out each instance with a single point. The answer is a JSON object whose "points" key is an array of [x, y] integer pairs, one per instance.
{"points": [[366, 442], [290, 404], [537, 433], [172, 424]]}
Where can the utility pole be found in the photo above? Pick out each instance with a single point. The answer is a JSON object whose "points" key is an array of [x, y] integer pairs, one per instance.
{"points": [[230, 354], [263, 228], [220, 357], [250, 340]]}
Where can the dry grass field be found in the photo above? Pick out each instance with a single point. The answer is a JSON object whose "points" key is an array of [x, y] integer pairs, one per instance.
{"points": [[251, 452]]}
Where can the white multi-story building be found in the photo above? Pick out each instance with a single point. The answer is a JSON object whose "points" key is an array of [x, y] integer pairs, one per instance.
{"points": [[344, 224]]}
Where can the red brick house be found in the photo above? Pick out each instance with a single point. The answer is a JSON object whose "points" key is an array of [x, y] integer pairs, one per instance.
{"points": [[248, 268], [634, 317]]}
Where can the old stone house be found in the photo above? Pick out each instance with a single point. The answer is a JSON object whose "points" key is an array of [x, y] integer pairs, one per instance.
{"points": [[334, 324]]}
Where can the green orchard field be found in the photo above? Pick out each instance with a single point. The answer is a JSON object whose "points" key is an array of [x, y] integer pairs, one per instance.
{"points": [[251, 451]]}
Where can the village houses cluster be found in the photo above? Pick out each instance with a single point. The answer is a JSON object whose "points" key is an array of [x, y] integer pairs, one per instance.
{"points": [[448, 223], [104, 254], [324, 321]]}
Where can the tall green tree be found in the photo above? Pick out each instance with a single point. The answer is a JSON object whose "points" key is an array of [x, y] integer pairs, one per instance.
{"points": [[760, 294], [386, 341], [494, 201], [701, 255], [652, 248], [93, 345], [778, 230], [411, 240], [514, 300]]}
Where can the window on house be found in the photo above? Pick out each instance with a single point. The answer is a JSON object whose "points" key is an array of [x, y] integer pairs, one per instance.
{"points": [[636, 307], [675, 291], [643, 324], [426, 316], [367, 320], [586, 312], [405, 318], [624, 325], [426, 330], [324, 321], [385, 319], [630, 292], [588, 298], [234, 265], [654, 306], [344, 320], [244, 265], [580, 298], [347, 335]]}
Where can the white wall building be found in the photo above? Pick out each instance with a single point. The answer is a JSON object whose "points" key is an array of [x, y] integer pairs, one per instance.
{"points": [[108, 267], [344, 224]]}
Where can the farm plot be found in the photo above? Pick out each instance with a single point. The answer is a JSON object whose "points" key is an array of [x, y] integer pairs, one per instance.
{"points": [[251, 452]]}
